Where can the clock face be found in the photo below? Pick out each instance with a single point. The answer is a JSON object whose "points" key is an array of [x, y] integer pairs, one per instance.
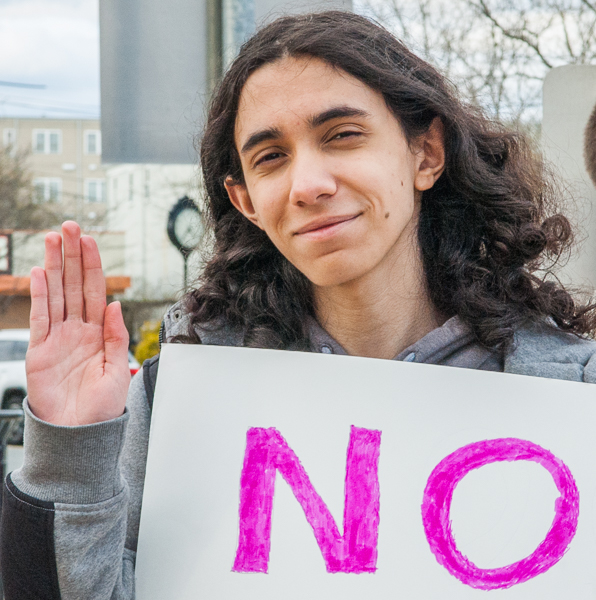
{"points": [[188, 228]]}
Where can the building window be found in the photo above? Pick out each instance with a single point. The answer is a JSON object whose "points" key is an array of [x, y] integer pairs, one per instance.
{"points": [[93, 141], [39, 143], [9, 137], [47, 141], [5, 254], [47, 189], [95, 190], [54, 142]]}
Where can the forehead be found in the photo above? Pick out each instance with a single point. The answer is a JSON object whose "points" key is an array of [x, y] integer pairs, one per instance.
{"points": [[286, 93]]}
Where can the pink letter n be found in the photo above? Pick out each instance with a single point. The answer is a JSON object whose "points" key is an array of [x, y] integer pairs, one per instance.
{"points": [[356, 550]]}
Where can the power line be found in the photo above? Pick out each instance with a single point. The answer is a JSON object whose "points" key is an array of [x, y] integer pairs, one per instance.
{"points": [[30, 86], [50, 101], [48, 108]]}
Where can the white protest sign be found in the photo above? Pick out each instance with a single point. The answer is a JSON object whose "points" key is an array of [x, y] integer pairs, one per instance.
{"points": [[294, 475]]}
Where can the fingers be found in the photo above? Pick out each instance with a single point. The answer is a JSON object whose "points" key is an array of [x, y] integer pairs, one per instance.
{"points": [[115, 338], [53, 275], [72, 276], [39, 319], [78, 289], [94, 282]]}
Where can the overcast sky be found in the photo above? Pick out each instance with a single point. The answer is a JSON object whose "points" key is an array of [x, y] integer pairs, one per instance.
{"points": [[50, 42]]}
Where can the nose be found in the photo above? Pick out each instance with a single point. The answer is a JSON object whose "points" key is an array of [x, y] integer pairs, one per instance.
{"points": [[311, 181]]}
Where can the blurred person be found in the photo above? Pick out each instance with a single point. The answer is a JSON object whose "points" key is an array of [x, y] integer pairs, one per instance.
{"points": [[357, 207]]}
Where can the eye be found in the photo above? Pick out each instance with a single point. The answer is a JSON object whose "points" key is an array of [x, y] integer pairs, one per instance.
{"points": [[268, 158], [342, 135]]}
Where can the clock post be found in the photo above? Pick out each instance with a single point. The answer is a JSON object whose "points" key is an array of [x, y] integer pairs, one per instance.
{"points": [[185, 229]]}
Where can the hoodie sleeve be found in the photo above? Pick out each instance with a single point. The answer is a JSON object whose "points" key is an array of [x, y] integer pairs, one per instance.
{"points": [[71, 514]]}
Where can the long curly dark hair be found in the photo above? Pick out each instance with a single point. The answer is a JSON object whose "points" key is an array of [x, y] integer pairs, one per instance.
{"points": [[486, 228]]}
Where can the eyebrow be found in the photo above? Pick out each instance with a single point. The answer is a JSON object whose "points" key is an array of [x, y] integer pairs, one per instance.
{"points": [[337, 112], [274, 133], [265, 135]]}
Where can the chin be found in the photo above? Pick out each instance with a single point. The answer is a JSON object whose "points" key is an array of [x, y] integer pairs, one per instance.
{"points": [[334, 273]]}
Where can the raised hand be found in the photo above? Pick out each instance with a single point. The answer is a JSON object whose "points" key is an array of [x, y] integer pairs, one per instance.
{"points": [[77, 362]]}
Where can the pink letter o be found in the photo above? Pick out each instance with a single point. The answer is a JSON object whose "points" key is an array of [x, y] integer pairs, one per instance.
{"points": [[436, 506]]}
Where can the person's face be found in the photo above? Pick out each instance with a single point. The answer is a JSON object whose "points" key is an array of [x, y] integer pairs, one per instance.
{"points": [[328, 173]]}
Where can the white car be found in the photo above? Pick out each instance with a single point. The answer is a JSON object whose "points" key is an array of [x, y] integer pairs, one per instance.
{"points": [[13, 379]]}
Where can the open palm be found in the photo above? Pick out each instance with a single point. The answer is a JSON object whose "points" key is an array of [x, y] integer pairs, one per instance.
{"points": [[77, 362]]}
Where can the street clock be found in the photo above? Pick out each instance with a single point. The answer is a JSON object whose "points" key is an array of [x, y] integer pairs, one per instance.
{"points": [[185, 229], [185, 225]]}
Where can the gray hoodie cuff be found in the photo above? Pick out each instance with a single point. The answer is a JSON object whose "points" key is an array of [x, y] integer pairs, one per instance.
{"points": [[71, 465]]}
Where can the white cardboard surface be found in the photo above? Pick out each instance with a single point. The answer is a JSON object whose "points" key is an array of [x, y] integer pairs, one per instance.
{"points": [[207, 398]]}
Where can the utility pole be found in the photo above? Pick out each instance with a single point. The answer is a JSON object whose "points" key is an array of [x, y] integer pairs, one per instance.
{"points": [[238, 18], [214, 42]]}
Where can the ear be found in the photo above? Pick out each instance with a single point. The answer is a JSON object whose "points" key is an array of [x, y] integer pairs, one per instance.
{"points": [[240, 198], [431, 154]]}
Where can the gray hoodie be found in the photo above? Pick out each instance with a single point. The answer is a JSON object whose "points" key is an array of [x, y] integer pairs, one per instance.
{"points": [[71, 514]]}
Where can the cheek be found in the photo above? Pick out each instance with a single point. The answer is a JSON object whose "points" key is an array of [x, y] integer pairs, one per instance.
{"points": [[398, 187], [388, 176], [392, 203], [270, 208]]}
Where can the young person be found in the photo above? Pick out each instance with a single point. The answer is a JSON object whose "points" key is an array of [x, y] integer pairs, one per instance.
{"points": [[357, 207]]}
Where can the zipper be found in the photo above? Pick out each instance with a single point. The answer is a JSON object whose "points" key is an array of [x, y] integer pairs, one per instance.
{"points": [[161, 334]]}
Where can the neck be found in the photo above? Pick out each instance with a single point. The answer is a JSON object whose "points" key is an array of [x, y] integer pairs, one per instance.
{"points": [[381, 313]]}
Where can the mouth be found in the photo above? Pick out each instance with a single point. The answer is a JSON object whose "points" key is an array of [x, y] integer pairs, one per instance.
{"points": [[320, 227]]}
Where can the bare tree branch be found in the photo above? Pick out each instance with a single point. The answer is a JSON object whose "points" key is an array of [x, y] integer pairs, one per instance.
{"points": [[496, 52], [521, 36], [18, 209], [566, 32], [591, 6]]}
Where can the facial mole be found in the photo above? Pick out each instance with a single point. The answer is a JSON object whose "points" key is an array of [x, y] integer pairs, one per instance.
{"points": [[386, 215], [402, 184]]}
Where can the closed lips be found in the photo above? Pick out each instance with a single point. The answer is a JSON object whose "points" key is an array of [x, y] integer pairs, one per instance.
{"points": [[323, 223]]}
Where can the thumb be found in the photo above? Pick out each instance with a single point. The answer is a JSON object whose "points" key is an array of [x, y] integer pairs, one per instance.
{"points": [[115, 337]]}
